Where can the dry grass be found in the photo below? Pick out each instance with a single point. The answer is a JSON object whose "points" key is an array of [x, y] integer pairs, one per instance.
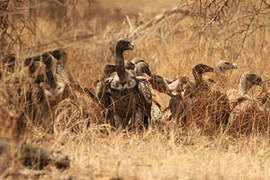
{"points": [[237, 31]]}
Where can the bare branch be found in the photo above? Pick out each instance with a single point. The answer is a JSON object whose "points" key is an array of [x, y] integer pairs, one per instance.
{"points": [[155, 20]]}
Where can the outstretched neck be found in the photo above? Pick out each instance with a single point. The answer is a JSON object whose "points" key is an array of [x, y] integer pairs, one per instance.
{"points": [[243, 86], [120, 66], [219, 70], [220, 74], [197, 77]]}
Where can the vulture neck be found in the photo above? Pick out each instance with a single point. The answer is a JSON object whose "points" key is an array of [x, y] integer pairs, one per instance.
{"points": [[244, 86], [221, 76], [120, 66], [197, 77]]}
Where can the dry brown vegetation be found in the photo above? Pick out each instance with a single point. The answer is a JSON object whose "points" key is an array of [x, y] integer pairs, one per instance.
{"points": [[204, 31]]}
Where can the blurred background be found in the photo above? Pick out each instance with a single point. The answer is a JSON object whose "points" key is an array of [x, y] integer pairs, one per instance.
{"points": [[172, 36]]}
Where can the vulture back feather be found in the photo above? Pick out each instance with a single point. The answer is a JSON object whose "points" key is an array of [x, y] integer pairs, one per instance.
{"points": [[127, 97], [246, 113]]}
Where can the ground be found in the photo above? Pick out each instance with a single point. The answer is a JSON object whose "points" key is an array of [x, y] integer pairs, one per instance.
{"points": [[212, 30]]}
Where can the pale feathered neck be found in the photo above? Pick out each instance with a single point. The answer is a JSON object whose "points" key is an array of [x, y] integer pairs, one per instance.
{"points": [[221, 77], [197, 77], [244, 85]]}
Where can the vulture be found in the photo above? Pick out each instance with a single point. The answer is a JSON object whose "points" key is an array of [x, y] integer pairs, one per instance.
{"points": [[140, 67], [181, 83], [191, 97], [247, 81], [160, 84], [218, 108], [263, 96], [220, 71], [41, 68], [47, 71], [53, 61], [179, 89], [39, 84], [137, 66], [127, 97], [199, 103], [246, 112]]}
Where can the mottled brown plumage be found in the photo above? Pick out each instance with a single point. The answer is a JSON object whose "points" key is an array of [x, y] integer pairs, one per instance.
{"points": [[221, 68], [139, 67], [170, 87], [194, 89], [160, 84], [199, 103], [53, 61], [181, 104], [263, 96], [181, 84], [38, 86], [247, 81], [218, 105], [127, 97], [246, 114], [205, 105]]}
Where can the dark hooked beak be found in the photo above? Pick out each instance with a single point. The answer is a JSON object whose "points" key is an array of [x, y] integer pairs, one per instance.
{"points": [[202, 68], [235, 66], [207, 69]]}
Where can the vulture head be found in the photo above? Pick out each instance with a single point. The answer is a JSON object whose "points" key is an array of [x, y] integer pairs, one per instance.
{"points": [[224, 66], [124, 78], [140, 66], [248, 80]]}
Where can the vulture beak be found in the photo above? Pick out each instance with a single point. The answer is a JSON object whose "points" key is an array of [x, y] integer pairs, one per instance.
{"points": [[131, 46], [208, 69], [235, 66]]}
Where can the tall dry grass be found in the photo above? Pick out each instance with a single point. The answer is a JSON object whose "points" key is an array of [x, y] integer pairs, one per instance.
{"points": [[211, 30]]}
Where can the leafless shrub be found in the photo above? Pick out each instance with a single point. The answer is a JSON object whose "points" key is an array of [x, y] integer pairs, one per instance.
{"points": [[172, 41]]}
